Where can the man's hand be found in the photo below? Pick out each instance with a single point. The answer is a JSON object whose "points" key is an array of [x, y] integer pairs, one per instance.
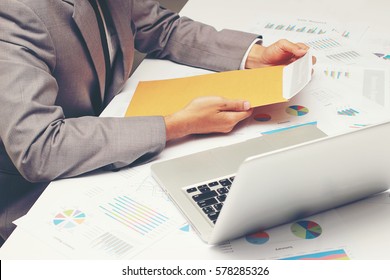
{"points": [[217, 114], [282, 52], [206, 115]]}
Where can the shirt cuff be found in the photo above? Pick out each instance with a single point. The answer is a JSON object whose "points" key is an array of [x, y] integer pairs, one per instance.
{"points": [[259, 40]]}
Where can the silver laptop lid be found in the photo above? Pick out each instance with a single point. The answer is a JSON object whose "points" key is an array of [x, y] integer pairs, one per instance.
{"points": [[280, 186]]}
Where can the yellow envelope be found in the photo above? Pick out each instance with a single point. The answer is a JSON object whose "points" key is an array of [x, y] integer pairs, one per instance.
{"points": [[163, 97]]}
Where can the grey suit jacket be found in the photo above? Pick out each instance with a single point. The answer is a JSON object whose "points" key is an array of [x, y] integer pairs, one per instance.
{"points": [[52, 76]]}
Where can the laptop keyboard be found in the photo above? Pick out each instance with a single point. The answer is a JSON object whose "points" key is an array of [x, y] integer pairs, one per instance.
{"points": [[210, 196]]}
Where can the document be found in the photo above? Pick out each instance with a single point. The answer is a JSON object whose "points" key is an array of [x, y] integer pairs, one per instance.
{"points": [[103, 216], [260, 87]]}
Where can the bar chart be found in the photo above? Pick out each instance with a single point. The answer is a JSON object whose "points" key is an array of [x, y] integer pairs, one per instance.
{"points": [[136, 217]]}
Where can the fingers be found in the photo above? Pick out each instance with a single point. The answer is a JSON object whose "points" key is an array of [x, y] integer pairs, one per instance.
{"points": [[233, 112], [220, 103], [314, 60], [209, 114], [239, 116], [297, 49], [235, 105], [302, 46], [305, 47], [229, 119]]}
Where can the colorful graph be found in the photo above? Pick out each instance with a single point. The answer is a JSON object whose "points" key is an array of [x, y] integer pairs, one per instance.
{"points": [[290, 28], [297, 110], [257, 238], [279, 27], [382, 55], [346, 34], [306, 229], [293, 27], [137, 217], [262, 117], [327, 255], [287, 128], [344, 57], [336, 74], [348, 112], [358, 125], [324, 44], [69, 218]]}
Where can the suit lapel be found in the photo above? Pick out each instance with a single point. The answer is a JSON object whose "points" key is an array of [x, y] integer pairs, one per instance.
{"points": [[85, 19]]}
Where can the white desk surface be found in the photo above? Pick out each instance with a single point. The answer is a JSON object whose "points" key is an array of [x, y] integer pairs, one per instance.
{"points": [[239, 15]]}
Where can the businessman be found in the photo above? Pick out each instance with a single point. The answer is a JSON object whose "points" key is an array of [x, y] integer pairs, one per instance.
{"points": [[62, 62]]}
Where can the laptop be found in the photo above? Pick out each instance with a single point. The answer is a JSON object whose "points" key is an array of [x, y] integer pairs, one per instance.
{"points": [[228, 192]]}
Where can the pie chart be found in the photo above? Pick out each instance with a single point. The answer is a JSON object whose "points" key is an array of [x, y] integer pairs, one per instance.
{"points": [[306, 229], [257, 238], [69, 218], [297, 110]]}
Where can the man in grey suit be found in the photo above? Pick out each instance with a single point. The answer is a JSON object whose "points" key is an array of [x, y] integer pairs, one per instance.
{"points": [[62, 62]]}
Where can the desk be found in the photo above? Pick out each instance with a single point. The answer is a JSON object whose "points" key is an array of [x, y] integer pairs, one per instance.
{"points": [[367, 230]]}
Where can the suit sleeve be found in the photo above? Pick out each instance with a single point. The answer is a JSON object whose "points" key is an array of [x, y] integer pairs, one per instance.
{"points": [[163, 34], [40, 142]]}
